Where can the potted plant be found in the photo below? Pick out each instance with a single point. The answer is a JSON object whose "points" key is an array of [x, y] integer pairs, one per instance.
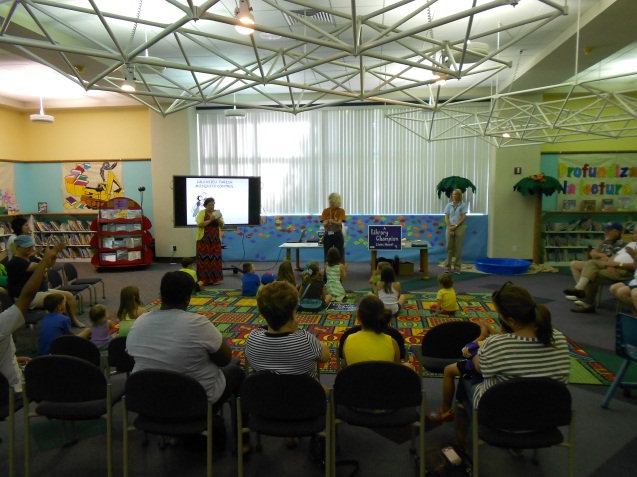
{"points": [[537, 186]]}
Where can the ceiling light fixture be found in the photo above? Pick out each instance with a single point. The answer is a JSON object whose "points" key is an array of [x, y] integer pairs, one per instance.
{"points": [[42, 118], [243, 14], [235, 113], [128, 85]]}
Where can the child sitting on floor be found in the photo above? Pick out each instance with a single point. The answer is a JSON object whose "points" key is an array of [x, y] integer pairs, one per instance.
{"points": [[446, 297], [250, 281], [286, 273], [313, 296], [188, 265], [55, 323], [335, 272], [375, 278], [389, 291], [130, 308], [100, 327], [464, 368]]}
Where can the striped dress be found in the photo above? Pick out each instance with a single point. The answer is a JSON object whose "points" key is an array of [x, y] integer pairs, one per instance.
{"points": [[334, 286], [284, 353], [506, 356]]}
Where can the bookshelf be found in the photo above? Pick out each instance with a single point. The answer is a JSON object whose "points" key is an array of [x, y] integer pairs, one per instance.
{"points": [[566, 236], [74, 229], [121, 235]]}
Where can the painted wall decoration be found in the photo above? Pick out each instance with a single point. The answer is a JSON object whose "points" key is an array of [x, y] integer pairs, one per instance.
{"points": [[89, 185], [262, 243], [7, 187], [604, 181]]}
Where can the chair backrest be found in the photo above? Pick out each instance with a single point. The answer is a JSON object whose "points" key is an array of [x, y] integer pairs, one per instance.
{"points": [[284, 397], [377, 385], [525, 404], [70, 271], [446, 340], [4, 397], [63, 379], [5, 301], [54, 278], [166, 396], [69, 345], [626, 336], [118, 357]]}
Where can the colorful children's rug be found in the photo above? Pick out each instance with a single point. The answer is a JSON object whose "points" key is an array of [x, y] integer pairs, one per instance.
{"points": [[235, 316]]}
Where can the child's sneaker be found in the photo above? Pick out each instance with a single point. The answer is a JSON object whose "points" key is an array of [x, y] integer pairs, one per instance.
{"points": [[456, 271], [448, 270]]}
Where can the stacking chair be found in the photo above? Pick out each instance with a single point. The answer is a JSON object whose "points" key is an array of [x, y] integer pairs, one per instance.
{"points": [[378, 394], [31, 318], [118, 358], [70, 345], [55, 282], [524, 413], [626, 348], [169, 404], [73, 279], [69, 389], [9, 405], [442, 345], [283, 406]]}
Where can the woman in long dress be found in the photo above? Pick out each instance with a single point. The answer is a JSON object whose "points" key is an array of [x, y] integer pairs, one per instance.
{"points": [[209, 261]]}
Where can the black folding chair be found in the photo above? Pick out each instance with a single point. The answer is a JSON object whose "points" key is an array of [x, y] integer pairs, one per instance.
{"points": [[118, 358], [56, 283], [284, 406], [626, 348], [169, 404], [524, 413], [69, 345], [10, 403], [73, 278], [69, 389], [378, 394]]}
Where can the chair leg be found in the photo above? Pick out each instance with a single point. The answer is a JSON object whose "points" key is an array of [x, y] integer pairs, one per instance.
{"points": [[11, 425], [239, 439], [125, 439], [27, 456], [475, 442], [616, 383], [209, 442]]}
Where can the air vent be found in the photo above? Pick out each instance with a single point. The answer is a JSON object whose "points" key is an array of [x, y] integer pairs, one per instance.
{"points": [[311, 14]]}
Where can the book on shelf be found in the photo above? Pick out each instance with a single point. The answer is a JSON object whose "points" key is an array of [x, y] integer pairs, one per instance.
{"points": [[589, 205], [569, 205], [625, 203], [43, 207], [13, 209], [607, 204]]}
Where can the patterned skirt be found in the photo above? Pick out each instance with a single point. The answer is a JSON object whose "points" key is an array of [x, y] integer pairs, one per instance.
{"points": [[209, 262]]}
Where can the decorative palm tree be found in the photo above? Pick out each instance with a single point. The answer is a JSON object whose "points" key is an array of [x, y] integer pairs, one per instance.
{"points": [[449, 184], [538, 185]]}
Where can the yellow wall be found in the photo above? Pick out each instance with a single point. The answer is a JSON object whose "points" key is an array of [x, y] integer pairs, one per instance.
{"points": [[12, 135], [88, 134], [511, 215]]}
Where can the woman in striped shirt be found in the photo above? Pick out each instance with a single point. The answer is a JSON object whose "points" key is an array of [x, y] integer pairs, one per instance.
{"points": [[529, 347]]}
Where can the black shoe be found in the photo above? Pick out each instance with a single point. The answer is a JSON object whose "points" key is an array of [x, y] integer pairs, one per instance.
{"points": [[575, 292]]}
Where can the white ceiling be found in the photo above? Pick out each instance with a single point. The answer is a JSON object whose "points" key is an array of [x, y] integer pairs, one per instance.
{"points": [[187, 52]]}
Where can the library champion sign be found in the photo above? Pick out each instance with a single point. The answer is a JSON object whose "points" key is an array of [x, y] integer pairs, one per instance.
{"points": [[590, 176], [384, 237]]}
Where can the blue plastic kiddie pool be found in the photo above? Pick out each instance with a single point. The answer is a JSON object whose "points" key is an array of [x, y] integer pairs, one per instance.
{"points": [[502, 266]]}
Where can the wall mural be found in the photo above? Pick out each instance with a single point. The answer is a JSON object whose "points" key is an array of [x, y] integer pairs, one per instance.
{"points": [[86, 186], [262, 243]]}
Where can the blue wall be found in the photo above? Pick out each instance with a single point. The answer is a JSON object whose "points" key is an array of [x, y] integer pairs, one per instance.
{"points": [[42, 182], [262, 243]]}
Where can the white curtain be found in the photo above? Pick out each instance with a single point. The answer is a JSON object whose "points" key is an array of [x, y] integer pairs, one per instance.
{"points": [[376, 165]]}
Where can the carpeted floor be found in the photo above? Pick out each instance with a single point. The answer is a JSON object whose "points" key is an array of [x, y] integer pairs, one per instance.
{"points": [[235, 316]]}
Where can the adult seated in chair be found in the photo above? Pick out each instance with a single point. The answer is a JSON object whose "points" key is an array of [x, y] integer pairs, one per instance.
{"points": [[529, 347], [602, 267], [177, 340], [626, 293], [20, 269], [374, 340], [282, 347], [13, 318]]}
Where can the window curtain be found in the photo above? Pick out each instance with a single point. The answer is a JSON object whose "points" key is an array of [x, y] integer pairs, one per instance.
{"points": [[379, 167]]}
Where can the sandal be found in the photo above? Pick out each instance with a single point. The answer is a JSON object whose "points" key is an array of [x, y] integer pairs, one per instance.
{"points": [[440, 416]]}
